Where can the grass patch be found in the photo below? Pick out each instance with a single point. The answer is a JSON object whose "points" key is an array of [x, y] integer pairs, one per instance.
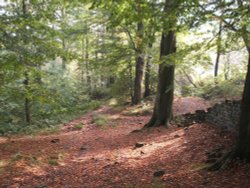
{"points": [[16, 157], [78, 127], [33, 160], [50, 130], [139, 110], [53, 162], [101, 120]]}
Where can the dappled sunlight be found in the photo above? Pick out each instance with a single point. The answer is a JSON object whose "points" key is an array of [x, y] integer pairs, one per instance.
{"points": [[114, 117], [135, 156], [35, 170], [180, 132], [3, 163], [3, 140]]}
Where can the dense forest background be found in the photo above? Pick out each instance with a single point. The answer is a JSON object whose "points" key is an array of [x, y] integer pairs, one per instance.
{"points": [[60, 58], [124, 93]]}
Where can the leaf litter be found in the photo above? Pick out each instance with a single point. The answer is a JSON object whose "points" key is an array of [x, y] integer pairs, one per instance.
{"points": [[108, 157]]}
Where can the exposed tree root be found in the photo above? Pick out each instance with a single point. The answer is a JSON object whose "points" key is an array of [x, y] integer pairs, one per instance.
{"points": [[223, 162], [154, 124]]}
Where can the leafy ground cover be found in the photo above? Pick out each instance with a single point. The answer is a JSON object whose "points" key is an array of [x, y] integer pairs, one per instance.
{"points": [[113, 154]]}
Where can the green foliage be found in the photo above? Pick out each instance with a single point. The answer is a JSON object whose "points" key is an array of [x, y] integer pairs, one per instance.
{"points": [[101, 120], [224, 89], [53, 162], [100, 93], [211, 88], [63, 57], [78, 127], [16, 157], [120, 88], [143, 109]]}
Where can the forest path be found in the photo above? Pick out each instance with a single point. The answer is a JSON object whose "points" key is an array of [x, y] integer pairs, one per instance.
{"points": [[111, 156]]}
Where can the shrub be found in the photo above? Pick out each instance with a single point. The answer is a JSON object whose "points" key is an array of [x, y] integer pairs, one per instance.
{"points": [[101, 120]]}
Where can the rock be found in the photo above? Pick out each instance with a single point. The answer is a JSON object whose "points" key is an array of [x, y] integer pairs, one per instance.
{"points": [[139, 145], [177, 136], [56, 140], [83, 148], [136, 131], [159, 173]]}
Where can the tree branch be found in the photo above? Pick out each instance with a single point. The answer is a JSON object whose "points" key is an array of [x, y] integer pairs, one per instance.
{"points": [[131, 38]]}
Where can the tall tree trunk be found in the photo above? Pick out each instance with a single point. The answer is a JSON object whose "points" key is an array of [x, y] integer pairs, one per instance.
{"points": [[26, 76], [82, 63], [139, 67], [138, 80], [131, 86], [165, 92], [147, 73], [216, 67], [227, 67], [243, 147], [27, 101], [64, 59], [88, 77]]}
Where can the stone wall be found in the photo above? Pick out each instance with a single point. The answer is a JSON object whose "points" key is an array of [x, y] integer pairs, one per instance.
{"points": [[224, 115]]}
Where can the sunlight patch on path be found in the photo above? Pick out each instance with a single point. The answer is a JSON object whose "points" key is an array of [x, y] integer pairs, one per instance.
{"points": [[135, 156]]}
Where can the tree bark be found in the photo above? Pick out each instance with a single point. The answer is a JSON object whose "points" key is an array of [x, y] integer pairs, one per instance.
{"points": [[227, 67], [130, 69], [216, 67], [26, 76], [88, 77], [147, 73], [139, 67], [27, 101], [165, 92], [243, 146]]}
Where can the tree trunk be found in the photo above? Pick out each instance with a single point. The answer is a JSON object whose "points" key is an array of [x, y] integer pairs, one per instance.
{"points": [[139, 67], [26, 77], [88, 77], [243, 147], [27, 101], [131, 86], [227, 67], [165, 92], [216, 67], [64, 58], [147, 73], [138, 80]]}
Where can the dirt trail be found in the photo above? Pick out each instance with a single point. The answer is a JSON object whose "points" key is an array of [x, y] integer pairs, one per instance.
{"points": [[107, 157]]}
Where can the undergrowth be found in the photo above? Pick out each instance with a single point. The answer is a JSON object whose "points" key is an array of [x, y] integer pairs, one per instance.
{"points": [[48, 124], [101, 120]]}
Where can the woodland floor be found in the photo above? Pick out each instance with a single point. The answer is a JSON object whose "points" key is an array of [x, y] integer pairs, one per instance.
{"points": [[107, 157]]}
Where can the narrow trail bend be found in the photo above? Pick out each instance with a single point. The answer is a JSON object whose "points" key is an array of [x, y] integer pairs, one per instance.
{"points": [[107, 156]]}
